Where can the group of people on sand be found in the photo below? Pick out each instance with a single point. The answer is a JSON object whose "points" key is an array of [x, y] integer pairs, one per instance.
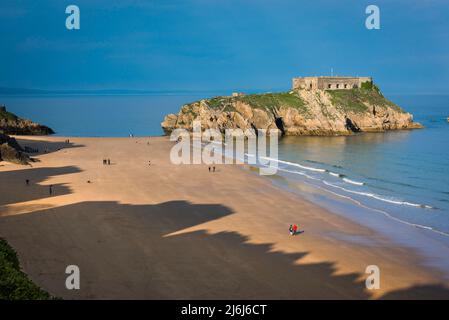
{"points": [[212, 168], [107, 161], [67, 141]]}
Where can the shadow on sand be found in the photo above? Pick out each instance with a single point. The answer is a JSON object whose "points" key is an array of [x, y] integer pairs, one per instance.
{"points": [[39, 147], [13, 187], [129, 251]]}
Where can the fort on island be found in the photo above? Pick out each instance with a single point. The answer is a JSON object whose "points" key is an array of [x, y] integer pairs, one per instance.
{"points": [[329, 83]]}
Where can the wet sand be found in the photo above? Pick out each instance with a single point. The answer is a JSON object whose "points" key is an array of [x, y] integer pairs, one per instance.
{"points": [[164, 231]]}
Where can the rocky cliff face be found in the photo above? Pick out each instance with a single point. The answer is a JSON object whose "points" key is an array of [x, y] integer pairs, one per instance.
{"points": [[11, 151], [12, 124], [299, 112]]}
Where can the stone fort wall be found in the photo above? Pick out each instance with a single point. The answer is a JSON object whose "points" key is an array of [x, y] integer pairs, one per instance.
{"points": [[329, 83]]}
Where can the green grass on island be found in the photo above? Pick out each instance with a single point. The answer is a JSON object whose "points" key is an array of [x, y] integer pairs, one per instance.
{"points": [[7, 115], [264, 101], [274, 100], [355, 100], [14, 284]]}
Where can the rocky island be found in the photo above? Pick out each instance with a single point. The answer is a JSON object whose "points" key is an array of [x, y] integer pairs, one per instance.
{"points": [[10, 124], [320, 106]]}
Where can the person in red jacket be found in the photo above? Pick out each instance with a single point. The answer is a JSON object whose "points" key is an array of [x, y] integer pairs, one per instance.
{"points": [[294, 229]]}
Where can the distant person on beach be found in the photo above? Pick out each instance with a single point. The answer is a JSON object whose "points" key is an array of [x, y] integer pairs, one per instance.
{"points": [[50, 189], [290, 230], [209, 169], [109, 161], [214, 168], [27, 182], [294, 229]]}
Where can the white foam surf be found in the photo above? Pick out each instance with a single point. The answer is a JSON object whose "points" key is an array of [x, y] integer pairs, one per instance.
{"points": [[378, 197], [294, 164], [357, 183], [335, 174]]}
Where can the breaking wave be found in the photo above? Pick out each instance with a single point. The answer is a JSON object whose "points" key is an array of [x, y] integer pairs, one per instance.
{"points": [[378, 197]]}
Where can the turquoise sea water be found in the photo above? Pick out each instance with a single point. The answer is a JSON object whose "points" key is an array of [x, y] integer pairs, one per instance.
{"points": [[98, 115], [394, 181], [405, 173]]}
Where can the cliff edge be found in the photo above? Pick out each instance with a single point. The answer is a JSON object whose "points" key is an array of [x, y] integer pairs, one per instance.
{"points": [[298, 112], [10, 150], [12, 124]]}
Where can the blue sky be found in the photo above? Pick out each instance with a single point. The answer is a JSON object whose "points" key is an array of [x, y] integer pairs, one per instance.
{"points": [[222, 44]]}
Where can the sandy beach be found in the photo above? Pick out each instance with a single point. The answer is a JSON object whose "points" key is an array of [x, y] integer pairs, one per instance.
{"points": [[163, 231]]}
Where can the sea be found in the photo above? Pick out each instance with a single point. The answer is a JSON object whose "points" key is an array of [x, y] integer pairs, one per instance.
{"points": [[394, 182]]}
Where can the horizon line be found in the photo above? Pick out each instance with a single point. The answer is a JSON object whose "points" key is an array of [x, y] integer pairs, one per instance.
{"points": [[10, 91]]}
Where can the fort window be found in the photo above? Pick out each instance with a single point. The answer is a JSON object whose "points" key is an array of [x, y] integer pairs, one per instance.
{"points": [[329, 86], [346, 85], [338, 85], [310, 86]]}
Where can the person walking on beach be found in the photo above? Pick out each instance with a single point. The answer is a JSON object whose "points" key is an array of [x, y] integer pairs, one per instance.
{"points": [[290, 230], [294, 229], [109, 161], [27, 182], [50, 189], [209, 169], [214, 168]]}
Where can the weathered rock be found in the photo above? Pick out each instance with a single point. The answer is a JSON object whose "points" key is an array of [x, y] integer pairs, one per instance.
{"points": [[13, 125], [300, 112], [169, 122], [11, 151]]}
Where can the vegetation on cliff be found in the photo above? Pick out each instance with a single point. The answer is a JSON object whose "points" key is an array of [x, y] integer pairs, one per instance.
{"points": [[14, 284], [264, 101], [358, 100], [6, 115]]}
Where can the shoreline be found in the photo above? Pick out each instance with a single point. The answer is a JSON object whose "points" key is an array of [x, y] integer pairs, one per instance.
{"points": [[432, 245], [239, 222]]}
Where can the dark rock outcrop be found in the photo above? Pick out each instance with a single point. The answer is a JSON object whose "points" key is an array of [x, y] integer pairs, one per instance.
{"points": [[11, 151], [10, 124]]}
